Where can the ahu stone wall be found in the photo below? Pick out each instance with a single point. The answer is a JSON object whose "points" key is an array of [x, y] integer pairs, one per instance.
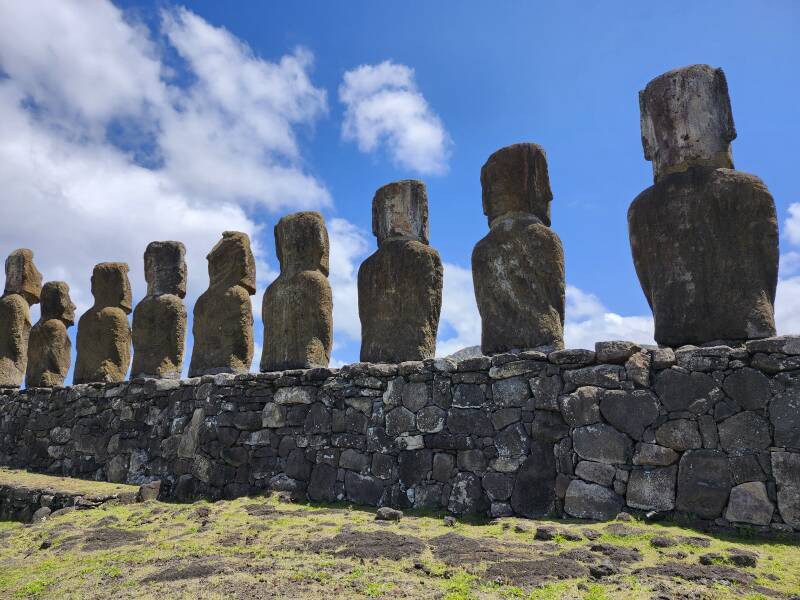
{"points": [[711, 431]]}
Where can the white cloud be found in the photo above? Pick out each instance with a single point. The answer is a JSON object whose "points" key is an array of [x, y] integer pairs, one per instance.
{"points": [[459, 312], [792, 224], [349, 246], [384, 107]]}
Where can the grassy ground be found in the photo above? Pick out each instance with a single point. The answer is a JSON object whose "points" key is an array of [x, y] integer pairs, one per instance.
{"points": [[65, 485], [267, 547]]}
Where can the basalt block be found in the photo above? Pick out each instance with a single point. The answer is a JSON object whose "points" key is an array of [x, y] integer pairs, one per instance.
{"points": [[49, 346], [22, 289], [400, 285], [704, 237], [223, 315], [159, 321], [104, 335], [297, 309], [518, 268]]}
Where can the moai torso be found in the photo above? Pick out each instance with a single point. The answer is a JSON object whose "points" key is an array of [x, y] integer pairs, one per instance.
{"points": [[22, 289], [400, 285], [49, 348], [223, 315], [298, 306], [104, 335], [518, 268], [159, 320], [704, 237]]}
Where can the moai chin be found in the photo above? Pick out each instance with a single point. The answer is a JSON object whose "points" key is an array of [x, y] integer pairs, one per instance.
{"points": [[159, 321], [104, 336], [704, 237], [223, 315], [400, 285], [298, 306], [23, 288], [518, 268], [49, 348]]}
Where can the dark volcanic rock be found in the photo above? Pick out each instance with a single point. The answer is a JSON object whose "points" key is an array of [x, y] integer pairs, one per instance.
{"points": [[704, 483]]}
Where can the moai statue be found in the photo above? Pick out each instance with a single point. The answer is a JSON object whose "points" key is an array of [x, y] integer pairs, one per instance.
{"points": [[223, 315], [23, 287], [49, 348], [104, 336], [159, 321], [298, 305], [400, 286], [704, 237], [518, 268]]}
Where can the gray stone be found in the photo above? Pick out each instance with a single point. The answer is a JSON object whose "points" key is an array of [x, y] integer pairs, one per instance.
{"points": [[322, 484], [749, 503], [498, 486], [510, 392], [413, 466], [637, 369], [750, 389], [466, 495], [680, 435], [786, 470], [545, 391], [41, 514], [512, 441], [443, 465], [744, 431], [516, 368], [572, 357], [615, 352], [534, 487], [630, 411], [604, 376], [704, 483], [602, 443], [708, 431], [679, 390], [430, 419], [416, 396], [384, 513], [595, 472], [652, 489], [399, 420], [591, 501], [782, 344], [468, 395], [362, 489], [504, 417], [382, 465], [581, 407], [747, 467], [273, 415], [471, 460], [295, 395], [354, 460], [662, 358], [784, 413]]}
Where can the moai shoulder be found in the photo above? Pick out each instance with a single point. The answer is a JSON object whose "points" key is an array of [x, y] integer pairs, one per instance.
{"points": [[518, 268], [297, 309], [223, 315], [22, 289], [400, 285], [704, 237], [104, 335], [159, 321], [49, 347]]}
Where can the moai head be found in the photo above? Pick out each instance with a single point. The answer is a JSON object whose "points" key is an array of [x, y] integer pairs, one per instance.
{"points": [[686, 120], [231, 262], [110, 286], [400, 212], [165, 268], [301, 240], [22, 276], [56, 303], [515, 180]]}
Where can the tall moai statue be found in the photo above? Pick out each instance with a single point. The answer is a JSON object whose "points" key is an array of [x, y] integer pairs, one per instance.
{"points": [[49, 348], [104, 335], [400, 285], [159, 320], [22, 290], [298, 305], [223, 315], [518, 268], [704, 237]]}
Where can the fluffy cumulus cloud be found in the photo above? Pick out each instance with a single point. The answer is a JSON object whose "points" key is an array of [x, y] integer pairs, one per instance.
{"points": [[787, 298], [385, 109]]}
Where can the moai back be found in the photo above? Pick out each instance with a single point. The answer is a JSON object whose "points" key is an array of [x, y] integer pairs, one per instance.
{"points": [[223, 315], [518, 268], [49, 348], [298, 306], [22, 289], [104, 335], [704, 237], [400, 285], [159, 321]]}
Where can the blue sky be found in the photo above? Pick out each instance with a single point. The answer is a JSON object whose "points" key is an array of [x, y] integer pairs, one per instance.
{"points": [[98, 96]]}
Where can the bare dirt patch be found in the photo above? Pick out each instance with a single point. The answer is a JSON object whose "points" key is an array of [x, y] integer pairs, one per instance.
{"points": [[529, 573], [369, 544], [111, 537]]}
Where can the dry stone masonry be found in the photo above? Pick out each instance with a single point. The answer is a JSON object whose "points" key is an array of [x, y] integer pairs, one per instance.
{"points": [[49, 346], [400, 285], [298, 306], [22, 290], [518, 268], [704, 237]]}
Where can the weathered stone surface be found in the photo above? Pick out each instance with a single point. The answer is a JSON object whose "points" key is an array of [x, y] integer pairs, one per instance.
{"points": [[663, 358], [630, 411], [400, 285], [595, 472], [49, 346], [652, 489], [322, 485], [22, 289], [744, 431], [679, 390], [498, 486], [591, 501], [749, 503], [604, 376], [602, 443], [223, 314], [704, 237], [680, 435], [572, 356], [781, 344], [784, 413], [637, 369], [159, 320], [749, 388], [297, 309], [581, 407], [534, 488], [615, 352], [518, 268], [510, 392], [704, 483], [466, 495], [654, 455], [786, 469], [104, 336]]}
